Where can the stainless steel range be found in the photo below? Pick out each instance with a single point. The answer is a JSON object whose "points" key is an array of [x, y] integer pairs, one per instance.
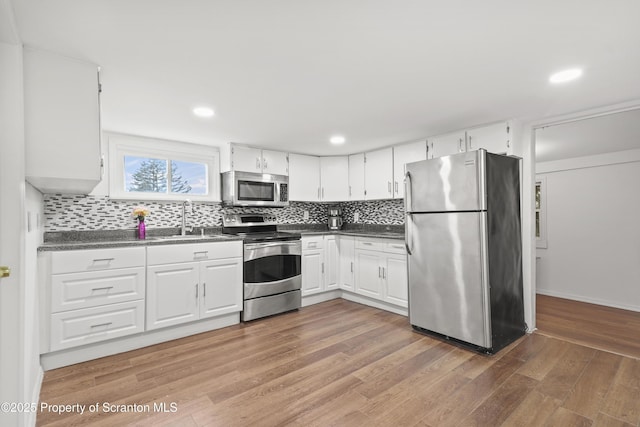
{"points": [[272, 265]]}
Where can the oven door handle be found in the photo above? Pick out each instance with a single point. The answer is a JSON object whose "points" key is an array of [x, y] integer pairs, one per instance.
{"points": [[262, 250], [251, 246]]}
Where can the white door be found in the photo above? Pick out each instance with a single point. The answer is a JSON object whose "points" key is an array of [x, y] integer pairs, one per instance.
{"points": [[493, 138], [346, 250], [304, 178], [445, 145], [368, 274], [378, 174], [334, 177], [356, 176], [275, 162], [14, 354], [172, 294], [312, 276], [330, 263], [246, 159], [403, 154], [221, 287], [397, 288]]}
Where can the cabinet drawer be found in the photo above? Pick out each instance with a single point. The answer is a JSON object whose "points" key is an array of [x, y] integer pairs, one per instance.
{"points": [[96, 259], [91, 289], [88, 325], [312, 242], [370, 244], [395, 247], [171, 254]]}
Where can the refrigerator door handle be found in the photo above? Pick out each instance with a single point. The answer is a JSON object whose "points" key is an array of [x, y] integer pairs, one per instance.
{"points": [[408, 209], [407, 234], [407, 192]]}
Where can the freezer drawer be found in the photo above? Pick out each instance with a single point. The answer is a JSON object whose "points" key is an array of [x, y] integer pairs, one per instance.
{"points": [[448, 278]]}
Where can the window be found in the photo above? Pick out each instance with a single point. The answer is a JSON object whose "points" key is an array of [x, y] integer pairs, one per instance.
{"points": [[541, 212], [145, 169]]}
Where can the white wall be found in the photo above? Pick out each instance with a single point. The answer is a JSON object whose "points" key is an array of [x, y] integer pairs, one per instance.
{"points": [[593, 230]]}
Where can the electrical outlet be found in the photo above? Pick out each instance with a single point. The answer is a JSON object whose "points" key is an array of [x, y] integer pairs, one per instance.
{"points": [[305, 215], [356, 216]]}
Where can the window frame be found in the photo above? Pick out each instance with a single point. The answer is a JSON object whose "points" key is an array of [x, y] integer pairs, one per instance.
{"points": [[129, 145], [541, 239]]}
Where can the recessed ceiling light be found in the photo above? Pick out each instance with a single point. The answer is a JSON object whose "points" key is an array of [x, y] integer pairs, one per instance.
{"points": [[337, 139], [203, 112], [565, 75]]}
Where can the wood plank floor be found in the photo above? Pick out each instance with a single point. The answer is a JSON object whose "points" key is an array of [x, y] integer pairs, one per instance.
{"points": [[344, 364], [597, 326]]}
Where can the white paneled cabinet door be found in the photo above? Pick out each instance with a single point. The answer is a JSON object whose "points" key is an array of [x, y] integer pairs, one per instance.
{"points": [[403, 154], [172, 294], [330, 263], [304, 178], [334, 177], [246, 159], [346, 251], [356, 176], [62, 123], [493, 138], [395, 275], [275, 162], [312, 266], [368, 274], [378, 174], [219, 286], [445, 145]]}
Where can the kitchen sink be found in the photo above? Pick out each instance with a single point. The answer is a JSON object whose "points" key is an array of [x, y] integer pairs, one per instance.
{"points": [[177, 237]]}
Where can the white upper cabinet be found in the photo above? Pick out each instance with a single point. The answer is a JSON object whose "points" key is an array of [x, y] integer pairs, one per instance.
{"points": [[356, 176], [304, 178], [250, 159], [275, 162], [378, 174], [445, 145], [62, 123], [494, 138], [334, 176], [403, 154]]}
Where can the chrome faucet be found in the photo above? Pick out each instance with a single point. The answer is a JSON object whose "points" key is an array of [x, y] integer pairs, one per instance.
{"points": [[187, 207]]}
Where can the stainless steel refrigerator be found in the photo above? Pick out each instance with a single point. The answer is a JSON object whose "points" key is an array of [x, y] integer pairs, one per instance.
{"points": [[464, 250]]}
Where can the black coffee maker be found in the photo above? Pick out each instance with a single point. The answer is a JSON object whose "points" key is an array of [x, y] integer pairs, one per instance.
{"points": [[334, 218]]}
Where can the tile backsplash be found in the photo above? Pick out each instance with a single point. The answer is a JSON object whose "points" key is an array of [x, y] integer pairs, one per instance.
{"points": [[79, 212]]}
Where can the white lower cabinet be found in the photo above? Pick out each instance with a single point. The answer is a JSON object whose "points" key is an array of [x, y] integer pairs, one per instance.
{"points": [[319, 264], [381, 270], [205, 281], [91, 296], [89, 325], [346, 254], [368, 273]]}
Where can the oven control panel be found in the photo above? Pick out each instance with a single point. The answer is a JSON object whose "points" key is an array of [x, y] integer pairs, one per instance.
{"points": [[248, 220]]}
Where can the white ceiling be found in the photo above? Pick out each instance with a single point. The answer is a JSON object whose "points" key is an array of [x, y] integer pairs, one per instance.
{"points": [[289, 74]]}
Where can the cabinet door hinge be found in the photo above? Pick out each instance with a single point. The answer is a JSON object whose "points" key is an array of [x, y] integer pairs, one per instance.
{"points": [[99, 87], [365, 158]]}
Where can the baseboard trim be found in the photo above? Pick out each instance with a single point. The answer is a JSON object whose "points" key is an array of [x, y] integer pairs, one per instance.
{"points": [[581, 298], [120, 345]]}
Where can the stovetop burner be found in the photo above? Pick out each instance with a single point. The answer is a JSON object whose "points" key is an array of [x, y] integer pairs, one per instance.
{"points": [[255, 228]]}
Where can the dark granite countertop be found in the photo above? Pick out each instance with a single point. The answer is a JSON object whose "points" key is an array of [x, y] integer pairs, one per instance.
{"points": [[76, 240], [73, 240]]}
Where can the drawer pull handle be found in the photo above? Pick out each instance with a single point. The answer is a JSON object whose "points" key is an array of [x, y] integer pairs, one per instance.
{"points": [[101, 324], [102, 288], [367, 243], [201, 252], [103, 259]]}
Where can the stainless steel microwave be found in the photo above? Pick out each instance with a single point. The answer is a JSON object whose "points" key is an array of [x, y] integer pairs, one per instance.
{"points": [[255, 189]]}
